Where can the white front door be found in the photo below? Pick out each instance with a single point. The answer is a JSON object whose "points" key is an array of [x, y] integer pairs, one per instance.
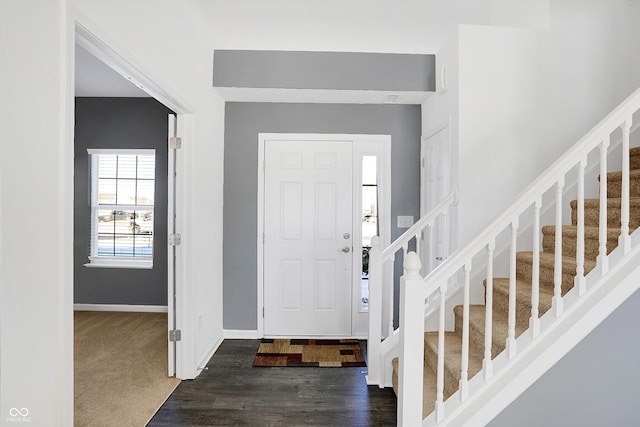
{"points": [[308, 245]]}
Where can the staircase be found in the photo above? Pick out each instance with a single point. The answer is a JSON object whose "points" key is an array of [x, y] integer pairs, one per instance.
{"points": [[453, 340], [482, 349]]}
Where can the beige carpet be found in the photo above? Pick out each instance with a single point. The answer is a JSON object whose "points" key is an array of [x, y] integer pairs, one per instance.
{"points": [[120, 367]]}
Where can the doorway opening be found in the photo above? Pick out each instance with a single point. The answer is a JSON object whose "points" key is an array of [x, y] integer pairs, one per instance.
{"points": [[152, 222]]}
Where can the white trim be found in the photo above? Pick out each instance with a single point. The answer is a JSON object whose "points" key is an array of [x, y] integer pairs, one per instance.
{"points": [[119, 262], [240, 334], [184, 305], [123, 62], [122, 151], [121, 307], [361, 143]]}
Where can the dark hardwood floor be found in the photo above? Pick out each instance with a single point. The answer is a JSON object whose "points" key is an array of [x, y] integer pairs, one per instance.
{"points": [[232, 392]]}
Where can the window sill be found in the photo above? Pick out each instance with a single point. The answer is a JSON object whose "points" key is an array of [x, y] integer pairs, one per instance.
{"points": [[145, 264]]}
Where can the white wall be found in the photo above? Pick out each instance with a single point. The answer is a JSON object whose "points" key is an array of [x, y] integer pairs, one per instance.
{"points": [[36, 167], [169, 43], [410, 26], [591, 385], [165, 41], [526, 95], [498, 146]]}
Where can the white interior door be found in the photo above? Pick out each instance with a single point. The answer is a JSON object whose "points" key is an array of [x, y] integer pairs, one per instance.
{"points": [[308, 244], [436, 185], [171, 250]]}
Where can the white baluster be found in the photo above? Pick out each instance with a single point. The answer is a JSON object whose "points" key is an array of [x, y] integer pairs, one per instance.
{"points": [[440, 373], [375, 314], [625, 239], [445, 233], [405, 249], [487, 364], [603, 258], [534, 321], [418, 249], [511, 338], [430, 246], [464, 374], [556, 302], [411, 360], [579, 280], [390, 305]]}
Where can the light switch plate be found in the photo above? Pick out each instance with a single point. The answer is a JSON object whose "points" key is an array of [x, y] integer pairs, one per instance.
{"points": [[405, 221]]}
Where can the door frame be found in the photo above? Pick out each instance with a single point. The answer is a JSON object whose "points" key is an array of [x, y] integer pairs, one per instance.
{"points": [[180, 354], [379, 145]]}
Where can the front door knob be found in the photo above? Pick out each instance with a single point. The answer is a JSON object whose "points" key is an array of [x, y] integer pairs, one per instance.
{"points": [[346, 249]]}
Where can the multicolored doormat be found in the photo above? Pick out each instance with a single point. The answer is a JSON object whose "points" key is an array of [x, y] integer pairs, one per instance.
{"points": [[309, 353]]}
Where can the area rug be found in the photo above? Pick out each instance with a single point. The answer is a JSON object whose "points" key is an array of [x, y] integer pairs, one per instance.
{"points": [[309, 353]]}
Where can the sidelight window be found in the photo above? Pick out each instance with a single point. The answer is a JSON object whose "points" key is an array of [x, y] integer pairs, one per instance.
{"points": [[370, 221]]}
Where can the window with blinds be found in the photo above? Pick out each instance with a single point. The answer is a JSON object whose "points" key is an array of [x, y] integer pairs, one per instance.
{"points": [[122, 204]]}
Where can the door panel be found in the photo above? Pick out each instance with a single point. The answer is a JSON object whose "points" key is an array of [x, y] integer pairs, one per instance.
{"points": [[437, 150], [307, 259]]}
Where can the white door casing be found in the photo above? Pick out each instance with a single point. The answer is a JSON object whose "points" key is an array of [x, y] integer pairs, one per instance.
{"points": [[308, 238]]}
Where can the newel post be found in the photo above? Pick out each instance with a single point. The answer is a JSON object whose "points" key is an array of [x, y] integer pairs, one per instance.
{"points": [[375, 314], [411, 363]]}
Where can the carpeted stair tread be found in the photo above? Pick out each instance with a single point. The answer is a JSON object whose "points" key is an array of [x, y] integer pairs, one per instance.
{"points": [[570, 238], [523, 300], [634, 158], [452, 359], [429, 391], [477, 315], [524, 262], [614, 183], [592, 212]]}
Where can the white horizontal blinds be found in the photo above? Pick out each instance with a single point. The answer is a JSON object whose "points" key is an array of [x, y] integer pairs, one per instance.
{"points": [[123, 184]]}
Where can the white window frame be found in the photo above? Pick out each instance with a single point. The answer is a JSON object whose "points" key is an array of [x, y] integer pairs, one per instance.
{"points": [[141, 262]]}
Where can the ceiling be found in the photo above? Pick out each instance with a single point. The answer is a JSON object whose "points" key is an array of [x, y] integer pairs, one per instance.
{"points": [[94, 78]]}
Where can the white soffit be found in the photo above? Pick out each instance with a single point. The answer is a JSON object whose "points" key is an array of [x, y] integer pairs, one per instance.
{"points": [[323, 96]]}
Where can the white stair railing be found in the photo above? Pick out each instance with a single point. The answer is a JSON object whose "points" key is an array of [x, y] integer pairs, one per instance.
{"points": [[382, 261], [415, 289]]}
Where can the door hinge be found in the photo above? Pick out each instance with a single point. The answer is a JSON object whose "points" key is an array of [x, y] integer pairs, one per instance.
{"points": [[175, 239], [175, 142], [175, 335]]}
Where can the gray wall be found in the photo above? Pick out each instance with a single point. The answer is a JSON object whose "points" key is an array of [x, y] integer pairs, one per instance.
{"points": [[243, 122], [324, 70], [596, 384], [119, 123]]}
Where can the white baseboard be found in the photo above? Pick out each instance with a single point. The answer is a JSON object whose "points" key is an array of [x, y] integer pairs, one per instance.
{"points": [[242, 334], [121, 307]]}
